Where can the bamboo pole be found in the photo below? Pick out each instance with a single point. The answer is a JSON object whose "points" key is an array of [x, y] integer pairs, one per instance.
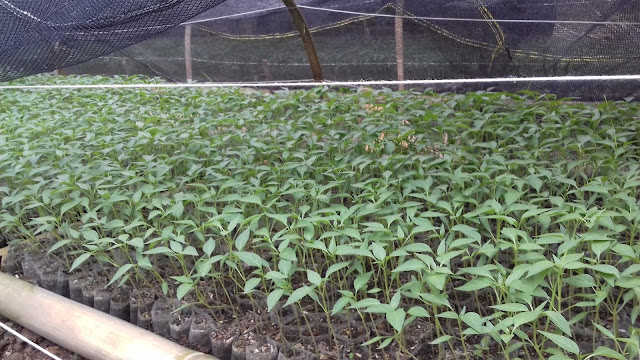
{"points": [[81, 329], [188, 59], [307, 39], [399, 37]]}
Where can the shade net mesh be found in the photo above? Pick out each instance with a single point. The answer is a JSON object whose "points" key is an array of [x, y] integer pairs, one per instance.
{"points": [[255, 40], [41, 36]]}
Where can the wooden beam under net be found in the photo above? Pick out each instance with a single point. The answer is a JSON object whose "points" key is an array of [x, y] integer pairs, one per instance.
{"points": [[307, 39]]}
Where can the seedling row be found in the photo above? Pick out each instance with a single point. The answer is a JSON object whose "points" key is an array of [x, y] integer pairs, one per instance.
{"points": [[372, 224]]}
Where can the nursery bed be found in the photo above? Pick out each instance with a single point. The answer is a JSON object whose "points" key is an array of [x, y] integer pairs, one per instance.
{"points": [[340, 224]]}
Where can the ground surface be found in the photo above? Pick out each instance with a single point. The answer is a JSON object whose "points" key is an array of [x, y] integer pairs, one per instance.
{"points": [[12, 348]]}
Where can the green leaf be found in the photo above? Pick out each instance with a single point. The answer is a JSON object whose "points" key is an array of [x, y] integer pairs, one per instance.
{"points": [[395, 300], [137, 243], [58, 245], [474, 320], [476, 284], [378, 251], [418, 311], [511, 196], [603, 351], [368, 302], [242, 239], [436, 299], [209, 247], [374, 340], [68, 206], [628, 282], [436, 280], [79, 260], [506, 338], [396, 319], [362, 280], [534, 182], [121, 271], [511, 307], [560, 356], [562, 342], [449, 315], [624, 250], [468, 231], [386, 341], [410, 265], [441, 339], [525, 317], [190, 250], [340, 304], [144, 263], [298, 294], [560, 322], [251, 199], [417, 247], [176, 210], [159, 250], [336, 267], [175, 247], [539, 267], [581, 281], [183, 290], [251, 259], [314, 277], [351, 232], [250, 285], [604, 330], [605, 269], [273, 298], [114, 224], [137, 196], [90, 235]]}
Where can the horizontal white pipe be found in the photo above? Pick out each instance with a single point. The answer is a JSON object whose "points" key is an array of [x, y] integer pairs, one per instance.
{"points": [[81, 329], [327, 83]]}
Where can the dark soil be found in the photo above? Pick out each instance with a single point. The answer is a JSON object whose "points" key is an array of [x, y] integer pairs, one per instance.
{"points": [[12, 348]]}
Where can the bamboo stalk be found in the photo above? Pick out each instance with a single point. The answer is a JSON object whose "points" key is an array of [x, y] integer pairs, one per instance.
{"points": [[188, 59], [307, 39], [83, 330], [399, 37]]}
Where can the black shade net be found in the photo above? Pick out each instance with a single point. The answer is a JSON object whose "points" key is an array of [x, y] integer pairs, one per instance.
{"points": [[254, 40], [42, 36]]}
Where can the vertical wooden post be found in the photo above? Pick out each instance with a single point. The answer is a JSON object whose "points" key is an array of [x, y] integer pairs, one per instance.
{"points": [[266, 70], [307, 39], [188, 60], [399, 36]]}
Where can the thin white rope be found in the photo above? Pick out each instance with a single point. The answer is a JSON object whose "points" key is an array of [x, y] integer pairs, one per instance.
{"points": [[181, 59], [325, 83], [234, 15], [258, 11], [19, 336], [536, 21]]}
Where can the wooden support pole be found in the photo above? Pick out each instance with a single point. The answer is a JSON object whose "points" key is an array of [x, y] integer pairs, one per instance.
{"points": [[307, 39], [399, 36], [266, 70], [188, 59]]}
